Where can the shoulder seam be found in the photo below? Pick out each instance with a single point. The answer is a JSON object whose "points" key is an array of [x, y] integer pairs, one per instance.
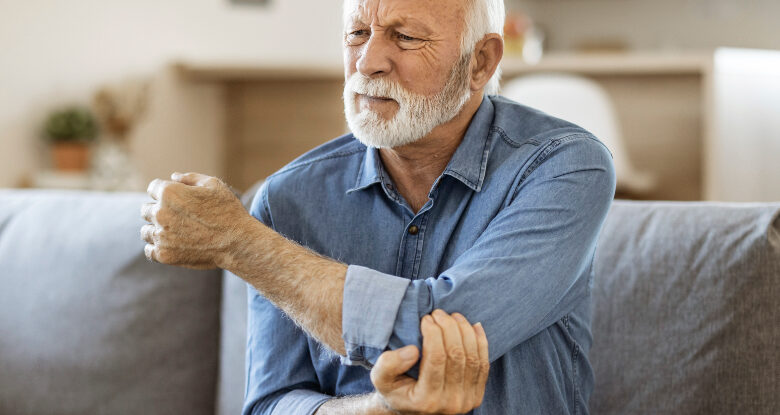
{"points": [[552, 145], [534, 140]]}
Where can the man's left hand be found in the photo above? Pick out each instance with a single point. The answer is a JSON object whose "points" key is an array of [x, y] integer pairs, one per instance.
{"points": [[194, 222]]}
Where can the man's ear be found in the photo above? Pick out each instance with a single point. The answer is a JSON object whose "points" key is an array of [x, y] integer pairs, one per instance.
{"points": [[487, 54]]}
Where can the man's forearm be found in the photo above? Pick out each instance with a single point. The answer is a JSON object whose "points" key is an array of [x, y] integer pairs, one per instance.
{"points": [[309, 288], [369, 404]]}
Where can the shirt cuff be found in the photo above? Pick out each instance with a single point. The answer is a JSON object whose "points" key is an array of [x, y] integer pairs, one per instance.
{"points": [[300, 401], [369, 309]]}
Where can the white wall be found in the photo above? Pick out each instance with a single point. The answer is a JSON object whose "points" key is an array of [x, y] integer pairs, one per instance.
{"points": [[741, 154], [658, 24], [55, 52]]}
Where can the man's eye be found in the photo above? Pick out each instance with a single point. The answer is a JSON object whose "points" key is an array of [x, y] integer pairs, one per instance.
{"points": [[406, 38], [357, 33], [357, 36]]}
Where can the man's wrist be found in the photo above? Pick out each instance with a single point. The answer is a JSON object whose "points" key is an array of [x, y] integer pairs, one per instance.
{"points": [[241, 238], [369, 404], [381, 406]]}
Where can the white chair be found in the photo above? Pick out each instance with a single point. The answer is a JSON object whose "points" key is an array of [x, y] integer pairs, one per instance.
{"points": [[583, 102]]}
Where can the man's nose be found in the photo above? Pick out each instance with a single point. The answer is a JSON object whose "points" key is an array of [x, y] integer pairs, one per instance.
{"points": [[375, 58]]}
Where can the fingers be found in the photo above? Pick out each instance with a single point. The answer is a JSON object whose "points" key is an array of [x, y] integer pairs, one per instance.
{"points": [[195, 179], [149, 212], [433, 364], [392, 364], [456, 356], [151, 252], [156, 188], [453, 368], [484, 360], [170, 256], [471, 350], [149, 233]]}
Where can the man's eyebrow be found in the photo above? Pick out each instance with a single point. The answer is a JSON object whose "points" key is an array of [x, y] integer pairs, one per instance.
{"points": [[408, 22]]}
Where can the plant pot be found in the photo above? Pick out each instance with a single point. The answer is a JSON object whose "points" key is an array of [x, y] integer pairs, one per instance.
{"points": [[69, 156]]}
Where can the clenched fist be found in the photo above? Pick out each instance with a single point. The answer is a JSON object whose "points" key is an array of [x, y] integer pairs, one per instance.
{"points": [[195, 221]]}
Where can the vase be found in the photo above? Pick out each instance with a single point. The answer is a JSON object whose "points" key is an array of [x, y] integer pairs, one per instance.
{"points": [[70, 156], [113, 168]]}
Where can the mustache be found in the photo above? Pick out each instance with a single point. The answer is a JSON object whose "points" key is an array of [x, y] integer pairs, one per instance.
{"points": [[378, 87]]}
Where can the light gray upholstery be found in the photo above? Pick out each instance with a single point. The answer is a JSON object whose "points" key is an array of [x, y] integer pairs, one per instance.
{"points": [[232, 362], [686, 317], [87, 324], [685, 312]]}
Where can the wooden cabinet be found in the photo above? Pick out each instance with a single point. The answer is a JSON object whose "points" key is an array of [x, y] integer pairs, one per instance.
{"points": [[706, 125]]}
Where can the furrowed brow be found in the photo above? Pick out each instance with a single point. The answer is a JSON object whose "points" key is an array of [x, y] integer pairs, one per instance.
{"points": [[410, 23]]}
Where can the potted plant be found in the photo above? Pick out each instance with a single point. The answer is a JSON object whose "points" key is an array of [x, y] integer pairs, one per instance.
{"points": [[70, 130]]}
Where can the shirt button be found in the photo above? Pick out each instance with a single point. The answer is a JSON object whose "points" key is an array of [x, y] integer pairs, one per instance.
{"points": [[413, 230]]}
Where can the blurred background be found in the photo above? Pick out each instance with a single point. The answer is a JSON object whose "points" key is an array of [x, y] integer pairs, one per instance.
{"points": [[110, 94]]}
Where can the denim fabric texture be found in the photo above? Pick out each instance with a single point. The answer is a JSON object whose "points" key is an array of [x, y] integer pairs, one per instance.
{"points": [[506, 238]]}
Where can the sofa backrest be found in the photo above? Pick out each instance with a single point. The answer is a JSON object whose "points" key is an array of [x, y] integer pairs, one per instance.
{"points": [[685, 312], [686, 309], [87, 324]]}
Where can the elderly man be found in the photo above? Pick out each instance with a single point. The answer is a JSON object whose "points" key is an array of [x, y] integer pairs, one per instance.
{"points": [[445, 205]]}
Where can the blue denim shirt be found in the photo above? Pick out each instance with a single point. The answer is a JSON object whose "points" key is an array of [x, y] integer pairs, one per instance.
{"points": [[506, 238]]}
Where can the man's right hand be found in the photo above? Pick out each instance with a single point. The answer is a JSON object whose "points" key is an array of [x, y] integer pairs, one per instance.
{"points": [[453, 370]]}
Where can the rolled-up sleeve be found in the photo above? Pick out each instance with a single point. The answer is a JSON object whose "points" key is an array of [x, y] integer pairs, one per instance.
{"points": [[299, 401], [529, 267], [371, 301]]}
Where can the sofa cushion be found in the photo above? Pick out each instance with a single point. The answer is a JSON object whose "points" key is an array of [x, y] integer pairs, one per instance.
{"points": [[686, 309], [87, 324]]}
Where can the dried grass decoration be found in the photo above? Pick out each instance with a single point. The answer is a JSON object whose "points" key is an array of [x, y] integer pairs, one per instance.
{"points": [[119, 108]]}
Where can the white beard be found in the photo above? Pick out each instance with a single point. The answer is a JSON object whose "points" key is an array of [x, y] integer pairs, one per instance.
{"points": [[417, 114]]}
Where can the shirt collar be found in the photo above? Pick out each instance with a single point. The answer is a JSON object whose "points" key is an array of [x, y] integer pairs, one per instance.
{"points": [[370, 172], [467, 165], [469, 162]]}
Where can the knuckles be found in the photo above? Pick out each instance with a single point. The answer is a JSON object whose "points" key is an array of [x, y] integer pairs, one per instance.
{"points": [[213, 182], [484, 366], [165, 191], [456, 354], [473, 363], [437, 358]]}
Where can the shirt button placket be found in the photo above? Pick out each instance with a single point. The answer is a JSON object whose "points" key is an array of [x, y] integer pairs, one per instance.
{"points": [[411, 245]]}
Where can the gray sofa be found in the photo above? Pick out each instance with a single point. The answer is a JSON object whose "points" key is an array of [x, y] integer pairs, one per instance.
{"points": [[686, 315]]}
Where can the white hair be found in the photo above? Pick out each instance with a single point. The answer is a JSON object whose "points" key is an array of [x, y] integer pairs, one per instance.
{"points": [[482, 18]]}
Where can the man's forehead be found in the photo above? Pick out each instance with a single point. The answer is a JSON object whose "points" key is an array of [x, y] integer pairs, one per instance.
{"points": [[427, 12]]}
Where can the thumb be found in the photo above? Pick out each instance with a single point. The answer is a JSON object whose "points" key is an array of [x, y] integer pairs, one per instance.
{"points": [[191, 179], [392, 364]]}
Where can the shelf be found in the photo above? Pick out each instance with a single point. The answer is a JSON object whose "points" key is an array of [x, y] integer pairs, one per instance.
{"points": [[231, 72], [639, 63], [645, 63]]}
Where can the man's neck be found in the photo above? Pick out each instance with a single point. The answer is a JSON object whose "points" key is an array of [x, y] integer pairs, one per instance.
{"points": [[414, 167]]}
